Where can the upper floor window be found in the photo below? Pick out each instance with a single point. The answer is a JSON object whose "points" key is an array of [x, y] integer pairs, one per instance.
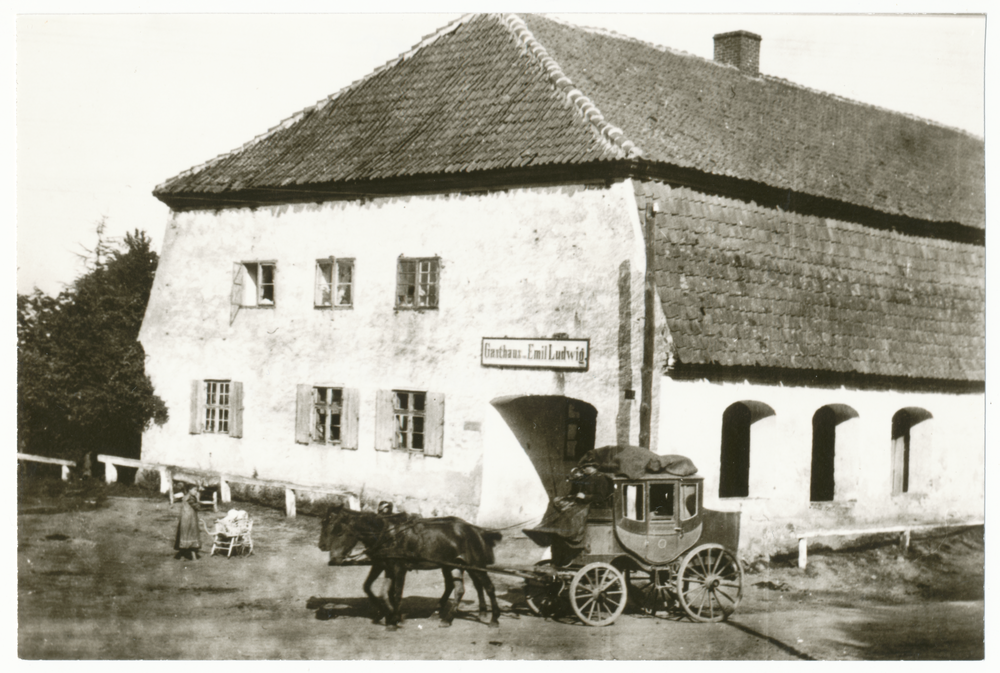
{"points": [[334, 283], [253, 284], [417, 282]]}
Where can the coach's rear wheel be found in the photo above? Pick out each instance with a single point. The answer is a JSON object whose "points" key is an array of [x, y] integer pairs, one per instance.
{"points": [[598, 594], [709, 583], [651, 591]]}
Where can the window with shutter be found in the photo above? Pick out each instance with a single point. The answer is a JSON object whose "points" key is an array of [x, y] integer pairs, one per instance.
{"points": [[411, 421], [253, 286], [326, 415], [216, 407]]}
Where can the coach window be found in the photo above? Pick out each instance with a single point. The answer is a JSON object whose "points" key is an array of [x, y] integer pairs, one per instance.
{"points": [[661, 501], [632, 502]]}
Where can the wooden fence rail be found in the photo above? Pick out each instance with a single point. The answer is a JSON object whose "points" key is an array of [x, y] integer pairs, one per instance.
{"points": [[170, 473], [904, 531], [66, 464]]}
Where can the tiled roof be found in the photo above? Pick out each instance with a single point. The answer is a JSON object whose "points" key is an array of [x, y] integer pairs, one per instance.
{"points": [[474, 97], [505, 92], [692, 112], [743, 285]]}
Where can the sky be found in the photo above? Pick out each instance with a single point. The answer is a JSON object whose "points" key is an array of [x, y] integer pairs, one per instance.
{"points": [[109, 105]]}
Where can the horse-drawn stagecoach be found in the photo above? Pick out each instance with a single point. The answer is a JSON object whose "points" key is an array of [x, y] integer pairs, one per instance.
{"points": [[632, 528]]}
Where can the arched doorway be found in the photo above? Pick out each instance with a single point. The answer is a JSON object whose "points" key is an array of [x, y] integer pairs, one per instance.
{"points": [[824, 448], [904, 423], [734, 460], [554, 432]]}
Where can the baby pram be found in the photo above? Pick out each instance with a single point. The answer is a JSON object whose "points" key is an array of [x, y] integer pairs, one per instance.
{"points": [[233, 532]]}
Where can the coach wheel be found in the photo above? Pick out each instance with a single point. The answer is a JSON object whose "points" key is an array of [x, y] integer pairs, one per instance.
{"points": [[598, 594], [651, 591], [709, 583]]}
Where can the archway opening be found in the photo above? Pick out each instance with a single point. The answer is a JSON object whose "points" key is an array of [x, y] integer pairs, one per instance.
{"points": [[903, 435], [822, 485], [737, 434], [554, 431]]}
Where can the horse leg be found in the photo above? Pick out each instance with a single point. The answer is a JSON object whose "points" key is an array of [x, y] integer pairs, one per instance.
{"points": [[484, 578], [398, 572], [459, 593], [375, 601], [482, 598], [443, 606]]}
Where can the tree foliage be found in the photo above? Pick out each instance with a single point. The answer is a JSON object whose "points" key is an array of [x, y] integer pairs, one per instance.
{"points": [[81, 379]]}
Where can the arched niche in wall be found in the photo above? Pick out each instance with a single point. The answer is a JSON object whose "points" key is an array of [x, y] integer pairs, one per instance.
{"points": [[907, 437], [825, 436], [738, 436]]}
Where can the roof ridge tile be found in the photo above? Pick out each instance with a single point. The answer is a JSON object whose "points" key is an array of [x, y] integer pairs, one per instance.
{"points": [[611, 134]]}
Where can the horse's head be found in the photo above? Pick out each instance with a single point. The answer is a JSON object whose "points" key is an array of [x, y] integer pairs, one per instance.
{"points": [[338, 536]]}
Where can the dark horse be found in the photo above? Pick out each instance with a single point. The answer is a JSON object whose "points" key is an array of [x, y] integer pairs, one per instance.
{"points": [[397, 543]]}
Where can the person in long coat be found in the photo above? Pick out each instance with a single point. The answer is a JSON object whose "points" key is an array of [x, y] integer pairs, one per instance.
{"points": [[187, 541]]}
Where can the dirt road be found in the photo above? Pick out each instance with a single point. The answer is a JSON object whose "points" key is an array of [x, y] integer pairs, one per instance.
{"points": [[101, 582]]}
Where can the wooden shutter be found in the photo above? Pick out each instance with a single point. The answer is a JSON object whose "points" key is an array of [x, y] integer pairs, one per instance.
{"points": [[196, 419], [317, 284], [385, 421], [349, 412], [303, 413], [235, 409], [434, 425], [236, 292]]}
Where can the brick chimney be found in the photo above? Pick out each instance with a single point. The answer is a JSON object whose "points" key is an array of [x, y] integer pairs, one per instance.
{"points": [[739, 48]]}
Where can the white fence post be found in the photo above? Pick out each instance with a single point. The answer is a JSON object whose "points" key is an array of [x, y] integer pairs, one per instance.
{"points": [[224, 494], [166, 483], [290, 502], [802, 552], [65, 472], [110, 472]]}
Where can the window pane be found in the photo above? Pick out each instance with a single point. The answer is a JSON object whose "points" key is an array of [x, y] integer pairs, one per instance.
{"points": [[320, 433], [661, 500], [418, 401], [402, 401], [344, 272]]}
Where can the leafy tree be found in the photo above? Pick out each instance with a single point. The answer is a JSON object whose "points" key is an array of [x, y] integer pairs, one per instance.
{"points": [[81, 381]]}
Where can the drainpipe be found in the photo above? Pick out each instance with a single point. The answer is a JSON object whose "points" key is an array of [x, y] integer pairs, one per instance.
{"points": [[649, 327]]}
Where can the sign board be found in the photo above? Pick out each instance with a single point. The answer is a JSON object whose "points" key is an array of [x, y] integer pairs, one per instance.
{"points": [[562, 354]]}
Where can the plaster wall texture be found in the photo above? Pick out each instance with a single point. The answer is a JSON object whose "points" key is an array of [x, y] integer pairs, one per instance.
{"points": [[947, 457], [521, 263]]}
